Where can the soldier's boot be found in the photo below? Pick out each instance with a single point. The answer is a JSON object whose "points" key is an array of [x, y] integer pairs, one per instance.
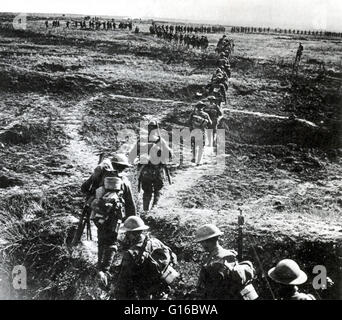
{"points": [[146, 201]]}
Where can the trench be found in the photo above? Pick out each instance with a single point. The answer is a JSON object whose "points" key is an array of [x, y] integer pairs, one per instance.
{"points": [[258, 128], [266, 242]]}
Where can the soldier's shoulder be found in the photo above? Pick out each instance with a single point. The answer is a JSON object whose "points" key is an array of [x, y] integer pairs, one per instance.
{"points": [[302, 296], [125, 181], [226, 254], [156, 243]]}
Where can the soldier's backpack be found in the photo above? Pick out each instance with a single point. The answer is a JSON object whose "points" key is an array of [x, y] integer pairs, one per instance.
{"points": [[155, 262], [198, 122], [235, 280], [109, 203]]}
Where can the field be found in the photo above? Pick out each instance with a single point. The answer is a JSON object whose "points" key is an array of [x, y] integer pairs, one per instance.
{"points": [[65, 94]]}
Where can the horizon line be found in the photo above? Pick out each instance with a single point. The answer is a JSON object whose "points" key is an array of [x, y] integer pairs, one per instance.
{"points": [[167, 19]]}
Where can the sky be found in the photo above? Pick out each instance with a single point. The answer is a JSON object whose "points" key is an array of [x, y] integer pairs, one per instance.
{"points": [[305, 14]]}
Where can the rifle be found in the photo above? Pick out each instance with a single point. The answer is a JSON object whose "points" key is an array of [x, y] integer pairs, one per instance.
{"points": [[84, 221], [241, 221], [85, 216]]}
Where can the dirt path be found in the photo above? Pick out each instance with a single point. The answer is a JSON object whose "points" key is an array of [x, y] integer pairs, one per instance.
{"points": [[83, 158]]}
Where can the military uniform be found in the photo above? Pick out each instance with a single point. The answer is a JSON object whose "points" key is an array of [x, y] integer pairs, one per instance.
{"points": [[215, 112], [152, 174], [107, 235], [292, 293], [135, 280], [299, 53], [199, 120], [223, 278]]}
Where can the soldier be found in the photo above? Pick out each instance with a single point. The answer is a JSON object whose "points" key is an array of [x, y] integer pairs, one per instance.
{"points": [[216, 114], [181, 37], [199, 120], [221, 276], [144, 265], [109, 204], [219, 91], [287, 276], [299, 53], [153, 169]]}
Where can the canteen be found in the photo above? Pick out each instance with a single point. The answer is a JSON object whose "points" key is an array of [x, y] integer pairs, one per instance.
{"points": [[169, 274]]}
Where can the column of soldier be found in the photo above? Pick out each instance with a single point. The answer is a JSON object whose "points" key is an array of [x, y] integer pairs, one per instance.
{"points": [[93, 24], [148, 267], [181, 35]]}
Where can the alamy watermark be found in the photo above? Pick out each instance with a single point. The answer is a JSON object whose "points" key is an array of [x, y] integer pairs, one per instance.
{"points": [[178, 146], [20, 21], [19, 277], [319, 282]]}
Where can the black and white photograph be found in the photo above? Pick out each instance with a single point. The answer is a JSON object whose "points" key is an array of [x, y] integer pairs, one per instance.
{"points": [[177, 150]]}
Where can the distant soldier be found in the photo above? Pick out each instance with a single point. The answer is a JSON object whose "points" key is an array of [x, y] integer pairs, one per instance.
{"points": [[222, 277], [46, 24], [110, 195], [287, 276], [68, 24], [181, 37], [152, 166], [299, 53], [147, 266], [199, 120]]}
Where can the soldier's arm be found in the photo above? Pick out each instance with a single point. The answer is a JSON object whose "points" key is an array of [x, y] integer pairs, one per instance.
{"points": [[124, 287], [209, 119], [91, 181], [201, 284], [129, 200], [134, 152], [219, 111], [166, 147]]}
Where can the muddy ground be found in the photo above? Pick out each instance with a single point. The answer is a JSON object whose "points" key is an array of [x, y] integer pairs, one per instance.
{"points": [[66, 94]]}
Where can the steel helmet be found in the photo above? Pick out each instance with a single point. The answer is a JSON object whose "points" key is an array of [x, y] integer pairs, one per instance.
{"points": [[211, 98], [134, 223], [153, 123], [287, 271], [120, 159], [206, 232]]}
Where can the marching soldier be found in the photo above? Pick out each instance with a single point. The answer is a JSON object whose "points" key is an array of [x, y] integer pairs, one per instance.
{"points": [[112, 201], [199, 120], [287, 276], [147, 266], [216, 114], [152, 167], [221, 276]]}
